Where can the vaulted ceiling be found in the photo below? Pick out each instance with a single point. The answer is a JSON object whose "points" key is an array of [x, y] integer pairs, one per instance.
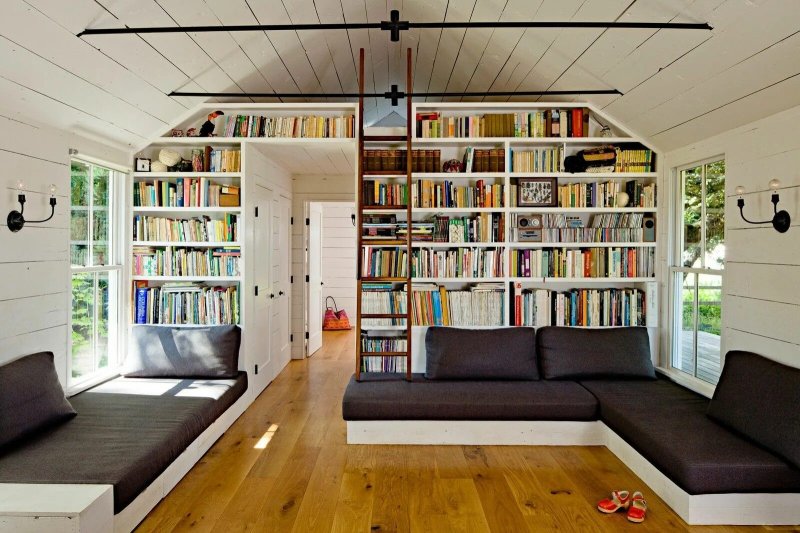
{"points": [[678, 86]]}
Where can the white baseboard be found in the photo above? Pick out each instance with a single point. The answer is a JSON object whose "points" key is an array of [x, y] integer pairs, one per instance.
{"points": [[516, 432], [703, 509]]}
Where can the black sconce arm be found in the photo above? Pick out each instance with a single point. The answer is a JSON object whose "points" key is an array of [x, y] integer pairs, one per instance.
{"points": [[52, 212], [16, 220], [740, 203], [780, 220]]}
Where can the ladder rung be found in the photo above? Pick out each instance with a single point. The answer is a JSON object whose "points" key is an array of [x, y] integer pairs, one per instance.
{"points": [[383, 354], [384, 207], [384, 279], [384, 138], [384, 315], [378, 242]]}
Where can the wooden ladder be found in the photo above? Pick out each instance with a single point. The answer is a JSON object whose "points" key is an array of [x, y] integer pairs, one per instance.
{"points": [[361, 209]]}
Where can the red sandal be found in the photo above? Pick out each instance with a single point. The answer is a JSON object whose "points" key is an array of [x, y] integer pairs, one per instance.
{"points": [[638, 508], [620, 499]]}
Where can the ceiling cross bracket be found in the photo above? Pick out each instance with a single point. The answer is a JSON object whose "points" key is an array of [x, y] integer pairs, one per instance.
{"points": [[394, 95], [394, 25]]}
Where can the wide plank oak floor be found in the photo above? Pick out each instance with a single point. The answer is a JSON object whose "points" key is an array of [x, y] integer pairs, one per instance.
{"points": [[284, 466]]}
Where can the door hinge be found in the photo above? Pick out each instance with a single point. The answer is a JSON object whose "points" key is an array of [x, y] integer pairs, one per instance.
{"points": [[308, 222], [291, 338], [291, 279], [256, 369], [256, 290], [306, 335], [307, 280], [256, 210], [291, 221]]}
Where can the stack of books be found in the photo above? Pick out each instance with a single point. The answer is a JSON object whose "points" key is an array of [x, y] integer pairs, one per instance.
{"points": [[622, 262], [579, 307], [184, 192], [424, 231], [379, 298], [311, 126], [379, 227], [169, 261], [147, 228], [481, 305], [185, 303]]}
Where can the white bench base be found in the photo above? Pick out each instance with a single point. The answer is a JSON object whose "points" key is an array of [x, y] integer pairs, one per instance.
{"points": [[702, 509], [40, 508]]}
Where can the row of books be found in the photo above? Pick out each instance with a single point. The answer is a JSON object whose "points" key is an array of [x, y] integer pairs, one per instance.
{"points": [[384, 262], [457, 263], [538, 160], [200, 229], [223, 160], [310, 126], [169, 261], [186, 303], [485, 227], [573, 122], [579, 307], [394, 364], [388, 343], [185, 192], [484, 160], [634, 160], [606, 194], [430, 193], [622, 262], [379, 298], [480, 305], [395, 160]]}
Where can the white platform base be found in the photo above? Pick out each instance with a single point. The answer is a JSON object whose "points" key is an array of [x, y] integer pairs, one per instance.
{"points": [[30, 508], [703, 509]]}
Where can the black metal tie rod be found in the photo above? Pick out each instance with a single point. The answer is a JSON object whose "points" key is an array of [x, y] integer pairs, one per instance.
{"points": [[394, 26]]}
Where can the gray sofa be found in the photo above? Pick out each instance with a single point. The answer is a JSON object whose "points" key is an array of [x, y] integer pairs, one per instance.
{"points": [[744, 440]]}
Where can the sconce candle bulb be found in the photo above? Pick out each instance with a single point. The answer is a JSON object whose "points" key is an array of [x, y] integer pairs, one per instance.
{"points": [[780, 219]]}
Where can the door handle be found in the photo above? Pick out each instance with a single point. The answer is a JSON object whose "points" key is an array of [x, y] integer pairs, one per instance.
{"points": [[280, 293], [272, 296]]}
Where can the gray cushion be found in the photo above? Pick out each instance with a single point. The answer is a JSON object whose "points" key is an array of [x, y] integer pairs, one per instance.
{"points": [[31, 397], [126, 434], [183, 352], [382, 397], [759, 399], [667, 424], [505, 353], [574, 353]]}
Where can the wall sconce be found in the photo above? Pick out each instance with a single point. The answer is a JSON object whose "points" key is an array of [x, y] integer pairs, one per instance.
{"points": [[16, 221], [780, 220]]}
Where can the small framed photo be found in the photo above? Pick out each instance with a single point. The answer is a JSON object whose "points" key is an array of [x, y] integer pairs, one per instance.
{"points": [[142, 164], [537, 192]]}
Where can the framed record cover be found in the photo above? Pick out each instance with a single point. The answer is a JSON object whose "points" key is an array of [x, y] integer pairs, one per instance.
{"points": [[537, 192]]}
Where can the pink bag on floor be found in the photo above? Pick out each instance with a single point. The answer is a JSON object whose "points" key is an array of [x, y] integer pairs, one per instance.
{"points": [[334, 319]]}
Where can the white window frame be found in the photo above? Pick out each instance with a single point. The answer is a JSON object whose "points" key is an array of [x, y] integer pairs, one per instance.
{"points": [[116, 257], [676, 266]]}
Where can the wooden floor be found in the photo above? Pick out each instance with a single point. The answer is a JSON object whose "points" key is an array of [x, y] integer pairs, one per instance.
{"points": [[284, 466]]}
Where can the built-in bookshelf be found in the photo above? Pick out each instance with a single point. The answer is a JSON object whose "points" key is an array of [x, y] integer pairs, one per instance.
{"points": [[518, 240]]}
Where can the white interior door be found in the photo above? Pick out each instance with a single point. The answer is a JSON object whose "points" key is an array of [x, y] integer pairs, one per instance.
{"points": [[260, 325], [314, 305], [279, 294]]}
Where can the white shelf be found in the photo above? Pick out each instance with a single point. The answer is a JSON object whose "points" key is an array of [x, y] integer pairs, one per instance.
{"points": [[458, 175], [581, 244], [187, 174], [211, 141], [200, 210], [420, 244], [522, 140], [208, 279], [457, 280], [188, 244], [434, 210], [583, 209], [584, 175], [581, 280]]}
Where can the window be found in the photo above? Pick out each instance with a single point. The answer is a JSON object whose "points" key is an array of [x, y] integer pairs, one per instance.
{"points": [[95, 272], [697, 271]]}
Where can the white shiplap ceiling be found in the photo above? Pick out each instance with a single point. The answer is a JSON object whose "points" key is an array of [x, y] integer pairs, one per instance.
{"points": [[679, 86]]}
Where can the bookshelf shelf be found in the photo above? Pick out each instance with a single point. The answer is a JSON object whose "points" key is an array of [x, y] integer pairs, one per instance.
{"points": [[457, 175], [580, 244], [423, 244], [445, 210], [583, 175], [186, 210], [458, 280], [583, 209], [522, 140], [162, 141], [580, 280], [211, 280], [189, 244], [187, 174]]}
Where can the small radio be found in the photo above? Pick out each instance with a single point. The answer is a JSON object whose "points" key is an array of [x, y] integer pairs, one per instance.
{"points": [[529, 228], [649, 226]]}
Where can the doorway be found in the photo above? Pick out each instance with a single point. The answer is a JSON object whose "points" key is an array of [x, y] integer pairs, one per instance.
{"points": [[330, 265]]}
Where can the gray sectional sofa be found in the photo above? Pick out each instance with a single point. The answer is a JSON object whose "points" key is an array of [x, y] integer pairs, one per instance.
{"points": [[714, 460]]}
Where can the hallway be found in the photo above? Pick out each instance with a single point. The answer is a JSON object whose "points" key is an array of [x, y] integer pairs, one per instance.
{"points": [[284, 467]]}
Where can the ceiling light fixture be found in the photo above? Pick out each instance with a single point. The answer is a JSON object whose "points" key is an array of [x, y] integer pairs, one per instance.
{"points": [[394, 26]]}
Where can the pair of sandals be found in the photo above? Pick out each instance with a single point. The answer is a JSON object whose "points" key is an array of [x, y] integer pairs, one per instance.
{"points": [[634, 504]]}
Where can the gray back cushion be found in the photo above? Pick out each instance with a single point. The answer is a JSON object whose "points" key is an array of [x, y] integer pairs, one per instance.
{"points": [[760, 399], [183, 352], [505, 353], [575, 353], [31, 397]]}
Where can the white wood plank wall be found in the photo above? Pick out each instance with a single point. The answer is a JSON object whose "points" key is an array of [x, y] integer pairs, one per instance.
{"points": [[34, 263], [339, 255], [310, 188], [761, 289]]}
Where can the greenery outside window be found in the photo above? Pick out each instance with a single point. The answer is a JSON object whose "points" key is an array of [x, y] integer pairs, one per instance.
{"points": [[96, 272], [697, 270]]}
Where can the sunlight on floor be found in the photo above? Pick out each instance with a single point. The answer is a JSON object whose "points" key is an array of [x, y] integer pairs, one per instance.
{"points": [[264, 440]]}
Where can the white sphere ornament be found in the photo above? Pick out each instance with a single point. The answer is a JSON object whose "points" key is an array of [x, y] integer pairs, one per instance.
{"points": [[169, 157], [158, 166], [622, 199]]}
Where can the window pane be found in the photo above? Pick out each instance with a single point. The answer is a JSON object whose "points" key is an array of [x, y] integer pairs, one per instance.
{"points": [[83, 313], [79, 226], [103, 292], [100, 216], [715, 215], [684, 357], [709, 327], [692, 217]]}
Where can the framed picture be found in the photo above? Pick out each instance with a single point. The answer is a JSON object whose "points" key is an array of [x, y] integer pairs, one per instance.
{"points": [[142, 164], [537, 192]]}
